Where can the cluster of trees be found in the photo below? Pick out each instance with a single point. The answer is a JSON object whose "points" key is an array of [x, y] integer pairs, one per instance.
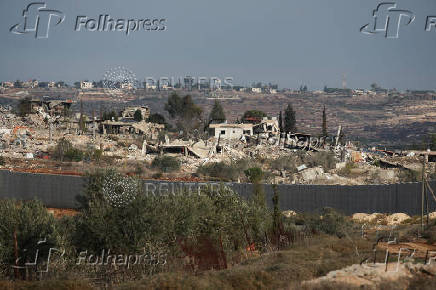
{"points": [[215, 220], [187, 115], [110, 115]]}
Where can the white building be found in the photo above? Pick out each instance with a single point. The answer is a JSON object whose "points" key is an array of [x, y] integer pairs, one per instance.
{"points": [[256, 90], [230, 131], [86, 85], [150, 86], [127, 86]]}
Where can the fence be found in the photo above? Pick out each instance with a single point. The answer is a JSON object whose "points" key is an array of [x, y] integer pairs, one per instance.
{"points": [[61, 191]]}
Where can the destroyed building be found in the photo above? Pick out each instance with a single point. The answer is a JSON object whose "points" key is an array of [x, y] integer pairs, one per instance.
{"points": [[129, 112], [148, 130]]}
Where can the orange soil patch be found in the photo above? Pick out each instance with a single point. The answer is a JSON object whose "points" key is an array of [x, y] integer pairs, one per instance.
{"points": [[45, 171], [60, 212]]}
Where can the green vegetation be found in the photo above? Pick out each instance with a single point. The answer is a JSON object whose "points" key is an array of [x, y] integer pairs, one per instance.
{"points": [[409, 175], [255, 176], [166, 163], [324, 123], [223, 171], [64, 151], [156, 118], [109, 116], [253, 114], [346, 171], [185, 112], [217, 114], [290, 124], [137, 116], [24, 224]]}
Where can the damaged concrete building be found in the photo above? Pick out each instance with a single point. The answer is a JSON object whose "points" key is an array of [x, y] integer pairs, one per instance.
{"points": [[129, 112]]}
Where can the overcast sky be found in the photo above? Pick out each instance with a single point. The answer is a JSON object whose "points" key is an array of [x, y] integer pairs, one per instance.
{"points": [[289, 42]]}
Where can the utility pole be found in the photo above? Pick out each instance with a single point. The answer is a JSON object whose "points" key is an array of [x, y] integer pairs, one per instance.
{"points": [[423, 193]]}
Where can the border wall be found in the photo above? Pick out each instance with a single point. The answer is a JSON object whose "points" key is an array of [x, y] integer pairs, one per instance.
{"points": [[61, 191]]}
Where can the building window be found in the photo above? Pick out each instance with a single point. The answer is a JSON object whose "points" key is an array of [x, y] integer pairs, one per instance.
{"points": [[223, 132], [246, 132]]}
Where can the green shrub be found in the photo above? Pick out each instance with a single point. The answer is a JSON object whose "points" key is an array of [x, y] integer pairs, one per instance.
{"points": [[329, 222], [346, 171], [64, 151], [74, 154], [217, 215], [166, 163], [325, 159], [287, 163], [2, 161], [28, 223], [255, 174], [409, 175], [220, 170]]}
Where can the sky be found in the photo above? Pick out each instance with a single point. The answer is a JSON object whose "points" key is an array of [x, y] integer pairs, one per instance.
{"points": [[288, 42]]}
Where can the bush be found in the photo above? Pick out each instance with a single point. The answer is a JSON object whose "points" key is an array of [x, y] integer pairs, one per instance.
{"points": [[346, 171], [166, 163], [287, 163], [27, 223], [74, 154], [325, 159], [2, 161], [220, 170], [182, 221], [409, 175], [64, 150], [329, 222]]}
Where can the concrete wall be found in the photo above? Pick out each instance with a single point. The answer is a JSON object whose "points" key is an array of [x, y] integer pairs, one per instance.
{"points": [[61, 191]]}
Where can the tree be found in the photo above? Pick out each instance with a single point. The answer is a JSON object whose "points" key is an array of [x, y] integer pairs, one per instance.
{"points": [[110, 115], [255, 175], [276, 214], [253, 115], [156, 118], [290, 122], [186, 113], [281, 122], [433, 142], [18, 84], [217, 114], [324, 123], [137, 116]]}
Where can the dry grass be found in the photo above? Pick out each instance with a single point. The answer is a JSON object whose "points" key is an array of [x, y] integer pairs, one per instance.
{"points": [[274, 270]]}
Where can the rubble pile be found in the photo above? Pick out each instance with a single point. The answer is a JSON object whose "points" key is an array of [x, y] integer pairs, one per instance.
{"points": [[298, 158]]}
